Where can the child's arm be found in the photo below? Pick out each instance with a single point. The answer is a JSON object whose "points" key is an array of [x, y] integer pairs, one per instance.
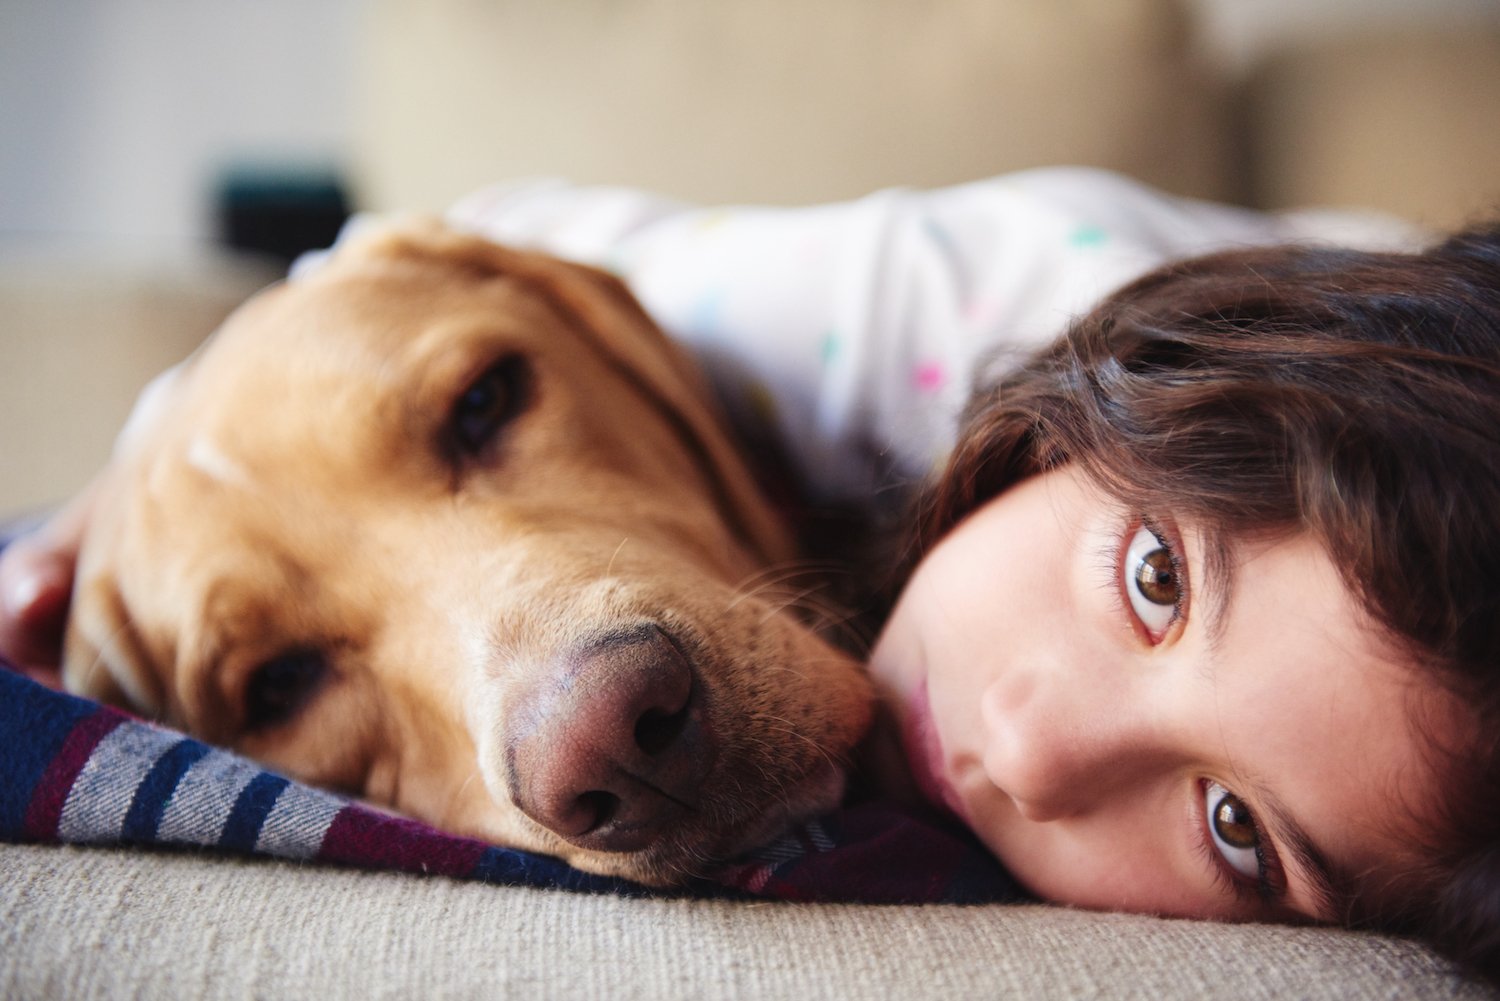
{"points": [[856, 329], [36, 585], [759, 294]]}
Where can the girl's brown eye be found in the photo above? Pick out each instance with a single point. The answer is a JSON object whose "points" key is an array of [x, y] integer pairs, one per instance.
{"points": [[1150, 577], [1234, 833], [1233, 823], [1154, 578]]}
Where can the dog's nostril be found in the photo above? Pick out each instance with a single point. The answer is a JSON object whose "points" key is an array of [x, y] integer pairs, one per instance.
{"points": [[657, 729], [601, 807], [615, 751]]}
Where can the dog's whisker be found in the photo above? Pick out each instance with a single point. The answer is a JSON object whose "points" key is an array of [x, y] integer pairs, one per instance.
{"points": [[809, 601], [799, 565], [774, 669], [778, 574], [789, 728], [821, 614], [830, 614], [795, 582], [609, 570], [758, 591], [468, 781], [799, 600], [99, 664], [775, 781], [791, 731], [767, 573]]}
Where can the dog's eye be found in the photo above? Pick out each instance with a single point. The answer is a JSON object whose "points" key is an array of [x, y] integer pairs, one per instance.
{"points": [[488, 403], [281, 686]]}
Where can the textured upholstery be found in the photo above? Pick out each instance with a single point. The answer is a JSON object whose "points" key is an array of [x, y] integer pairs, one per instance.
{"points": [[94, 923]]}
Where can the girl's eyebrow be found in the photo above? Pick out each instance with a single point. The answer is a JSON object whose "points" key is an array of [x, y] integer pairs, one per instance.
{"points": [[1212, 585], [1333, 887]]}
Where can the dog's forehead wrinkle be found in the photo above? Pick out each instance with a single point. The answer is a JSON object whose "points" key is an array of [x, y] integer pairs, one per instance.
{"points": [[150, 410], [208, 456], [238, 583], [119, 648]]}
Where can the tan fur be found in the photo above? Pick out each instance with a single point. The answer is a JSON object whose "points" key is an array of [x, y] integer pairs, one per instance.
{"points": [[288, 489]]}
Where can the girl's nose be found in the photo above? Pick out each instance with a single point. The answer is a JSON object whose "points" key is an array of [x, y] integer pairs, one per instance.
{"points": [[1063, 746]]}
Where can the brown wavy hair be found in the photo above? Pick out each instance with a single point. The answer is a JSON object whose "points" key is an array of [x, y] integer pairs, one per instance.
{"points": [[1352, 395]]}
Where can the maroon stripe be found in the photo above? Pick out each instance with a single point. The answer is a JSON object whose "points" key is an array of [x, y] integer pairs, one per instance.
{"points": [[46, 806], [364, 837]]}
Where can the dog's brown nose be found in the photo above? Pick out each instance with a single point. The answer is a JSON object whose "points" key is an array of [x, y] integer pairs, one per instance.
{"points": [[612, 749]]}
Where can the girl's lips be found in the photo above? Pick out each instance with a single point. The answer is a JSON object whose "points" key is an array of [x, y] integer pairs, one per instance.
{"points": [[924, 749]]}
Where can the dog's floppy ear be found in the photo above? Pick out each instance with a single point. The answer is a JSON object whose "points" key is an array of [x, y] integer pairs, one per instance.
{"points": [[605, 311]]}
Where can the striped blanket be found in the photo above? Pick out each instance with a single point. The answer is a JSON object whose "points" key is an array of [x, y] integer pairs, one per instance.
{"points": [[75, 771]]}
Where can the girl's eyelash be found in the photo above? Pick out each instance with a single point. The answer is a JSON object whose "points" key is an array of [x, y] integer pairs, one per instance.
{"points": [[1175, 560], [1106, 566], [1110, 560], [1270, 882], [1223, 876]]}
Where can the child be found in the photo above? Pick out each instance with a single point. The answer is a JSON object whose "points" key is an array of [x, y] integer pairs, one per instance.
{"points": [[1207, 600], [1203, 615]]}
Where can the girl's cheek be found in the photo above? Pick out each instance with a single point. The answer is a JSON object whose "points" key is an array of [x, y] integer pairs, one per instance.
{"points": [[900, 660]]}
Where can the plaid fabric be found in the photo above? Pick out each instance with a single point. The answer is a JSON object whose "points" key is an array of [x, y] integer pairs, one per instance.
{"points": [[76, 771]]}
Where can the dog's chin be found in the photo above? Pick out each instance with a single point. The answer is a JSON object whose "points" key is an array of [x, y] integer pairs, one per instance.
{"points": [[822, 791], [695, 852]]}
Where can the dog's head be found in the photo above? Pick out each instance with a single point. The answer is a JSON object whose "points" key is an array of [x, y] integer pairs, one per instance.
{"points": [[452, 527]]}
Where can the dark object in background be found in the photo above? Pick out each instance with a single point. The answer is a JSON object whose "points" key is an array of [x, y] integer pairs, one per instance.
{"points": [[280, 212]]}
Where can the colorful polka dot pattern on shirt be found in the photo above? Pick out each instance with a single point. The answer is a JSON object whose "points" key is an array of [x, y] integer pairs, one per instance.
{"points": [[929, 376]]}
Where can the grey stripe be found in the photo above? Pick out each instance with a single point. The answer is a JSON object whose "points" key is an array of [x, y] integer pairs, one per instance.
{"points": [[297, 823], [101, 795], [202, 801]]}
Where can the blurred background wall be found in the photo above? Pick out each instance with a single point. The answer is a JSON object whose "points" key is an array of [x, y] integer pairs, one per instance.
{"points": [[119, 117], [138, 136]]}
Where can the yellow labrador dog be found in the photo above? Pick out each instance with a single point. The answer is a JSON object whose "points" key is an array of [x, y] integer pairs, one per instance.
{"points": [[453, 528]]}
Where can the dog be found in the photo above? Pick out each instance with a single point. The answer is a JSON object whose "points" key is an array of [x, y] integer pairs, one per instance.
{"points": [[455, 529]]}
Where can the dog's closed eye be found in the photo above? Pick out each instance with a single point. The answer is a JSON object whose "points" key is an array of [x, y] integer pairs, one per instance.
{"points": [[488, 403], [281, 686]]}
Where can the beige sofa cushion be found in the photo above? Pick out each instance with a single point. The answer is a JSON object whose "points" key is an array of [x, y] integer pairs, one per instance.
{"points": [[91, 923], [778, 100], [82, 336], [1403, 121]]}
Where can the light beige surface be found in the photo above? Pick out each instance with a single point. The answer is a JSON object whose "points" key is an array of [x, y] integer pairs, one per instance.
{"points": [[79, 339], [1404, 122], [784, 101], [781, 101], [91, 923]]}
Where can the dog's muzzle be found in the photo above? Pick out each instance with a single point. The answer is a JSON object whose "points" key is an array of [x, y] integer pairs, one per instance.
{"points": [[611, 749]]}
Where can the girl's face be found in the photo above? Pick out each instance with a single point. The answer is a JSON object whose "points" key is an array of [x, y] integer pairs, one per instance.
{"points": [[1127, 733]]}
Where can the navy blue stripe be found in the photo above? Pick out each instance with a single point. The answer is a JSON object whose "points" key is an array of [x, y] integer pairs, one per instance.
{"points": [[508, 867], [250, 811], [34, 724], [155, 791]]}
